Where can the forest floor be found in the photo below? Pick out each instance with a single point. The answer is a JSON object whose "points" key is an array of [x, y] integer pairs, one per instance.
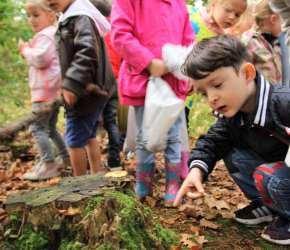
{"points": [[205, 223]]}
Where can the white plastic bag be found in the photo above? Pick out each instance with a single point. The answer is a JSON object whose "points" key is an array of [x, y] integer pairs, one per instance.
{"points": [[174, 56], [130, 141], [162, 108]]}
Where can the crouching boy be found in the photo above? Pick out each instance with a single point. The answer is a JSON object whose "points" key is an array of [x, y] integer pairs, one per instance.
{"points": [[251, 137]]}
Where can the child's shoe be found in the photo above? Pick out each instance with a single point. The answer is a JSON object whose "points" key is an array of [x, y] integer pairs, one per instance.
{"points": [[144, 175], [172, 183], [253, 214], [114, 164], [45, 171], [278, 232]]}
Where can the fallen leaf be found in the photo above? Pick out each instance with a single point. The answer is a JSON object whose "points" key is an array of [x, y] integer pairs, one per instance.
{"points": [[201, 240], [195, 230], [169, 221], [54, 181], [186, 241], [188, 210], [151, 201], [208, 224], [175, 248], [70, 211], [221, 204]]}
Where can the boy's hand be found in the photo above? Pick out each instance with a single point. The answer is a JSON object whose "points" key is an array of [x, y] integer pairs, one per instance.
{"points": [[157, 68], [95, 89], [69, 97], [192, 186]]}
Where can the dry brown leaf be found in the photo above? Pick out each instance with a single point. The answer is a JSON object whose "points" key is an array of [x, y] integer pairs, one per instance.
{"points": [[186, 240], [188, 210], [151, 201], [201, 240], [208, 224], [195, 230], [221, 204], [175, 248], [210, 201], [53, 181], [169, 221], [70, 211], [241, 205], [226, 215], [3, 176]]}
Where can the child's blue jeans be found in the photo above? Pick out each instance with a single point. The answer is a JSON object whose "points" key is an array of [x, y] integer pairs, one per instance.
{"points": [[173, 148], [268, 183], [44, 129]]}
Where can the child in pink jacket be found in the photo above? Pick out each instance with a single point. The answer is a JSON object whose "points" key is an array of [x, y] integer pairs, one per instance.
{"points": [[139, 31], [44, 82]]}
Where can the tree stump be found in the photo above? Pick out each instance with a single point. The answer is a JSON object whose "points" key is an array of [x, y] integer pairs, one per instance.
{"points": [[86, 212]]}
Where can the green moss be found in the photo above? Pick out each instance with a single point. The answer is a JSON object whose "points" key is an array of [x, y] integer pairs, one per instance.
{"points": [[166, 236], [72, 245], [92, 204], [31, 240]]}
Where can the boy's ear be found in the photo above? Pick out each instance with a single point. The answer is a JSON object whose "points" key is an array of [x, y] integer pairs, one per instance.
{"points": [[250, 71]]}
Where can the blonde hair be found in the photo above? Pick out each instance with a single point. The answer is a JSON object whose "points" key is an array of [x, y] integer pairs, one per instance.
{"points": [[262, 11], [212, 2], [39, 3]]}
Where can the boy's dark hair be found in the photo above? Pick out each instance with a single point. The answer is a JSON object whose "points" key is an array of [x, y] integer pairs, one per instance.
{"points": [[104, 6], [214, 53]]}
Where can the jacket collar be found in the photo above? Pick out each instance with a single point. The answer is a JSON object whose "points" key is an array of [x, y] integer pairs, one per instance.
{"points": [[262, 99], [85, 7]]}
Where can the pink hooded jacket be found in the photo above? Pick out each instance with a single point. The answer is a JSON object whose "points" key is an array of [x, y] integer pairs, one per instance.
{"points": [[139, 31], [44, 70]]}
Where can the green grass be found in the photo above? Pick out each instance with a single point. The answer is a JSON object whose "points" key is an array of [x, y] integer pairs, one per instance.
{"points": [[200, 117]]}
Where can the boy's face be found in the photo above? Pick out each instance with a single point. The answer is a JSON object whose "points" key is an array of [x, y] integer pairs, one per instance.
{"points": [[59, 5], [227, 91], [226, 13]]}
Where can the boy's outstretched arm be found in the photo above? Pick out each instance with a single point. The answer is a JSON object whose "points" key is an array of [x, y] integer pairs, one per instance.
{"points": [[210, 148]]}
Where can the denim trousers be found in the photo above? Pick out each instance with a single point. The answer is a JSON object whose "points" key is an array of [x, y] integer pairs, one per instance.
{"points": [[173, 146], [110, 125], [268, 183], [44, 129]]}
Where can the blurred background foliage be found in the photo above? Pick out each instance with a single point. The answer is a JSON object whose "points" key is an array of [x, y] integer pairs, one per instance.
{"points": [[14, 94], [14, 91]]}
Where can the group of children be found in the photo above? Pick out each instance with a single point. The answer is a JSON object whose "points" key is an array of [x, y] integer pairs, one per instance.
{"points": [[251, 134]]}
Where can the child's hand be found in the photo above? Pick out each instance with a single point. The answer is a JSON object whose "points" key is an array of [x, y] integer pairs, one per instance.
{"points": [[157, 68], [192, 186], [69, 97], [95, 89], [21, 45]]}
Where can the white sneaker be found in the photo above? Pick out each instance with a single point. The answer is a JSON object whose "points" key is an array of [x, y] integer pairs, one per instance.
{"points": [[45, 171]]}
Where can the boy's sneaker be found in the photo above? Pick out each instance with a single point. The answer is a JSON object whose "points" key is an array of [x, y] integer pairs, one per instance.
{"points": [[45, 171], [253, 214], [278, 232]]}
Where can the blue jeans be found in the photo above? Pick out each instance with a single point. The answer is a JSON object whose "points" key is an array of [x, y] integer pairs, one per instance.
{"points": [[267, 183], [44, 129], [173, 147]]}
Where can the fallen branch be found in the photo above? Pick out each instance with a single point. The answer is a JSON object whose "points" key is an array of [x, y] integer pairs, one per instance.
{"points": [[8, 132]]}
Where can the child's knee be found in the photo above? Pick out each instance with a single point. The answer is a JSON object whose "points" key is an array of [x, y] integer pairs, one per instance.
{"points": [[264, 177]]}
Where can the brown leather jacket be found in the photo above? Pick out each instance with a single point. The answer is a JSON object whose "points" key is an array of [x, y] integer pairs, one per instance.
{"points": [[83, 60]]}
